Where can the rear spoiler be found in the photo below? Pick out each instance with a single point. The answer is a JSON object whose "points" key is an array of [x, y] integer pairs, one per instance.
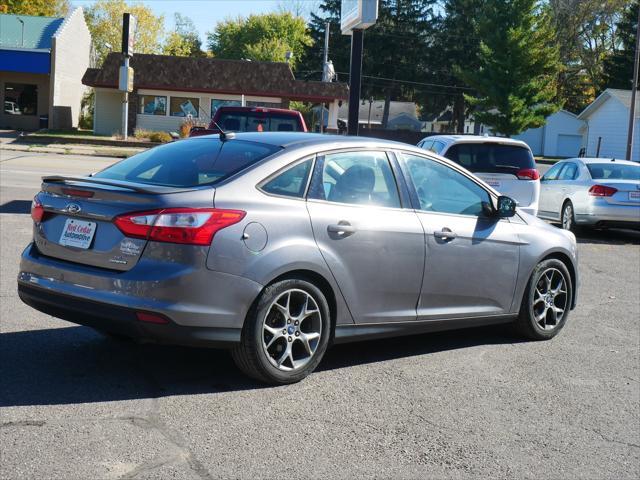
{"points": [[136, 187]]}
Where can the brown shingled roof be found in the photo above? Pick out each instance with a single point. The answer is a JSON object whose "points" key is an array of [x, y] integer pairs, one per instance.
{"points": [[212, 75]]}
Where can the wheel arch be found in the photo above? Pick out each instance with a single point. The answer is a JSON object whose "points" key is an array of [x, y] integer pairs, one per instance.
{"points": [[566, 260]]}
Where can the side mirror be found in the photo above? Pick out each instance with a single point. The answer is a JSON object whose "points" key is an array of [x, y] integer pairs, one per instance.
{"points": [[506, 207]]}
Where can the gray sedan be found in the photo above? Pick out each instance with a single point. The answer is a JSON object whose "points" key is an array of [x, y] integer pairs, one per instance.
{"points": [[277, 245], [594, 192]]}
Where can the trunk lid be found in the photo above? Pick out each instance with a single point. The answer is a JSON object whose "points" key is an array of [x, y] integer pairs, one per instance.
{"points": [[83, 209], [628, 191]]}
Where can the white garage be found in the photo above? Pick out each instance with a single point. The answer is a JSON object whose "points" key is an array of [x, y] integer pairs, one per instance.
{"points": [[561, 136]]}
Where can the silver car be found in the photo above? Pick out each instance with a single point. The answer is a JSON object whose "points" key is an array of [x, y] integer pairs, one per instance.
{"points": [[277, 245], [593, 192]]}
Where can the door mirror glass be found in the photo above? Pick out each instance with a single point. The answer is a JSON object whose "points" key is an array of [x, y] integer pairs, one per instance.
{"points": [[506, 207]]}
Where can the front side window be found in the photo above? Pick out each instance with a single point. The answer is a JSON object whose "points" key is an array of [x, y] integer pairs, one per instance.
{"points": [[442, 189], [554, 172], [437, 146], [290, 183], [360, 178], [189, 163], [184, 107], [20, 99], [153, 105]]}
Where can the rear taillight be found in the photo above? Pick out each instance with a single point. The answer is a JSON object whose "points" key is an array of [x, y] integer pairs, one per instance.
{"points": [[37, 211], [602, 191], [528, 174], [193, 226]]}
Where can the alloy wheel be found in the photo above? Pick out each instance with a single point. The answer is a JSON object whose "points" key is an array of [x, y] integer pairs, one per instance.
{"points": [[291, 330], [567, 217], [550, 299]]}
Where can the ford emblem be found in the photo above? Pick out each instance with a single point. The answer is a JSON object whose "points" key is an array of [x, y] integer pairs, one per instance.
{"points": [[73, 208]]}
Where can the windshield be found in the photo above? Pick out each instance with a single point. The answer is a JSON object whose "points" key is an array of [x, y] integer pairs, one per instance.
{"points": [[189, 163], [258, 122], [614, 171], [491, 157]]}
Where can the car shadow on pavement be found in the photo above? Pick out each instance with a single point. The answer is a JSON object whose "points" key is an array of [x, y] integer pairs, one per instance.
{"points": [[16, 206], [611, 237], [77, 365]]}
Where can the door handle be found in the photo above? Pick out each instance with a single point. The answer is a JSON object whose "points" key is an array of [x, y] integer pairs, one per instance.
{"points": [[342, 228], [445, 234]]}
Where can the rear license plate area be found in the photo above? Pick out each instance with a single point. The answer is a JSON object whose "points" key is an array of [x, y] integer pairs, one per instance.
{"points": [[77, 233]]}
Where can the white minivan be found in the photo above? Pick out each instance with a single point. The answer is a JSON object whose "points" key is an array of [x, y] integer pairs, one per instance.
{"points": [[505, 164]]}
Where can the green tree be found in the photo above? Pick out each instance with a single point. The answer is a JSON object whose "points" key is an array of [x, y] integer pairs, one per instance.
{"points": [[44, 8], [104, 19], [184, 40], [518, 67], [618, 68], [260, 37]]}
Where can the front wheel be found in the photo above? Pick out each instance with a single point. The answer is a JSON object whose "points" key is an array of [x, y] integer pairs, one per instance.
{"points": [[286, 334], [546, 301]]}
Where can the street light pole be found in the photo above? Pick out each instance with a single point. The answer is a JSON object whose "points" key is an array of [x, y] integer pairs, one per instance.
{"points": [[634, 89]]}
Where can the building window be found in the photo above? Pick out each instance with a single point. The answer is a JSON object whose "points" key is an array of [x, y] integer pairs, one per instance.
{"points": [[184, 107], [216, 103], [152, 105], [20, 99]]}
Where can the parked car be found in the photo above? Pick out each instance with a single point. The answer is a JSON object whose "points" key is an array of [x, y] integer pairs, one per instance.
{"points": [[278, 245], [505, 164], [11, 108], [253, 119], [592, 192]]}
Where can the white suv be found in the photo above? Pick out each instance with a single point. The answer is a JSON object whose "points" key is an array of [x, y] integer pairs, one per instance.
{"points": [[505, 164]]}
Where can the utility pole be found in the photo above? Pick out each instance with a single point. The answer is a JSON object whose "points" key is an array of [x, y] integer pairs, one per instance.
{"points": [[634, 89], [355, 75], [325, 71]]}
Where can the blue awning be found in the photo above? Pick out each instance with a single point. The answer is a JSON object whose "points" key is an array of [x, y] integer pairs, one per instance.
{"points": [[24, 61]]}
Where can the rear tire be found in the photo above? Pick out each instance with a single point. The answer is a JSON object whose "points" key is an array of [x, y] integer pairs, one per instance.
{"points": [[285, 334], [546, 301], [567, 217]]}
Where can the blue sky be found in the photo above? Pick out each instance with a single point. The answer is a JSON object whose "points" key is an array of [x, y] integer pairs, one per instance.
{"points": [[204, 13]]}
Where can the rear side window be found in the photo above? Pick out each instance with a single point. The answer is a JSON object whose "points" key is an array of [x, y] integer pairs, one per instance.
{"points": [[290, 183], [614, 171], [491, 157], [189, 163], [258, 122]]}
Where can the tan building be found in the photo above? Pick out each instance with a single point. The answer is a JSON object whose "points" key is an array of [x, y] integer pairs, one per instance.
{"points": [[42, 60], [169, 89]]}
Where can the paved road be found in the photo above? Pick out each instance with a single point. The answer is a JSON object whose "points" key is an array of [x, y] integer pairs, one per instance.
{"points": [[475, 403]]}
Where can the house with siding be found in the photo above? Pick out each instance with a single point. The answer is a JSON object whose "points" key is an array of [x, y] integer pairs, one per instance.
{"points": [[607, 123], [42, 61], [560, 136], [167, 90]]}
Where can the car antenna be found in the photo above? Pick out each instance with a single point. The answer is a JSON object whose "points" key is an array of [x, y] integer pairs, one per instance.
{"points": [[224, 136]]}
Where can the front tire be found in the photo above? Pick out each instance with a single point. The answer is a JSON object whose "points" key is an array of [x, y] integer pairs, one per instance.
{"points": [[546, 301], [285, 334]]}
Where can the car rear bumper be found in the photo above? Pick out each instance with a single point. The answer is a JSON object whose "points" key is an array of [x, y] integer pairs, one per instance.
{"points": [[600, 213], [203, 306]]}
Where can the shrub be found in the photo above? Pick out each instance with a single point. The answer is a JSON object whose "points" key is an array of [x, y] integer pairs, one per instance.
{"points": [[185, 127], [160, 137], [141, 133]]}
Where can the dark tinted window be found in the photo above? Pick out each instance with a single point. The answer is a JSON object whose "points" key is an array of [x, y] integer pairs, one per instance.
{"points": [[614, 171], [491, 157], [258, 122], [292, 182], [569, 172], [187, 163]]}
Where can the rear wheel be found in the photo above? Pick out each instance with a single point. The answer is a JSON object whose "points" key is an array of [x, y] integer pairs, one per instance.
{"points": [[546, 301], [568, 217], [286, 334]]}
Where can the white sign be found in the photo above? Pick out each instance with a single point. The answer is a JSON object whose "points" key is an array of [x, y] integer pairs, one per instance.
{"points": [[357, 14], [77, 233], [125, 79]]}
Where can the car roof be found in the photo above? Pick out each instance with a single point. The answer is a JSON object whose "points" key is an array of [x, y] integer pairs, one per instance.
{"points": [[451, 139], [302, 139], [588, 161]]}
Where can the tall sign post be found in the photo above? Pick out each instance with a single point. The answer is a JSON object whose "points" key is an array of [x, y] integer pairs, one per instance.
{"points": [[634, 91], [125, 77], [355, 17]]}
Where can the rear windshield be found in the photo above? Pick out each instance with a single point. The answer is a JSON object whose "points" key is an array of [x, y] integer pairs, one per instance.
{"points": [[614, 171], [189, 163], [491, 157], [258, 122]]}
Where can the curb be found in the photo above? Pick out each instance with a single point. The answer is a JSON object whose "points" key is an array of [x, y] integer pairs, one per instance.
{"points": [[72, 150]]}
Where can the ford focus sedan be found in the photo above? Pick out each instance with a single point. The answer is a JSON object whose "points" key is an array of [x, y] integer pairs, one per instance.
{"points": [[277, 245]]}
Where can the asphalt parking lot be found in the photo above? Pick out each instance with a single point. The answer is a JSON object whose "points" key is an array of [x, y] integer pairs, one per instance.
{"points": [[473, 403]]}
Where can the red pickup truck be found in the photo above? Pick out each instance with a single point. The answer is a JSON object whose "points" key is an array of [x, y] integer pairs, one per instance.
{"points": [[252, 119]]}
